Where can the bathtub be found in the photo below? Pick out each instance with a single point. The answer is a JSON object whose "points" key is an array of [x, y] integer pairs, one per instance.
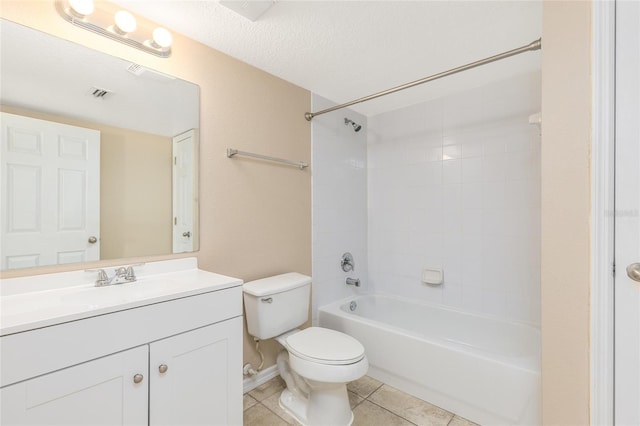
{"points": [[480, 367]]}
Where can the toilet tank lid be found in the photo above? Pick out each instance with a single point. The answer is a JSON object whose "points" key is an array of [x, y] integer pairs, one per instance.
{"points": [[276, 284]]}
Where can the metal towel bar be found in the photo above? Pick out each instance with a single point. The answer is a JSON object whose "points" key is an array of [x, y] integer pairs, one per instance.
{"points": [[299, 164]]}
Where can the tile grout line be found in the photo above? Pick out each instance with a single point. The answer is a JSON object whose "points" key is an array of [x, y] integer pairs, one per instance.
{"points": [[389, 411]]}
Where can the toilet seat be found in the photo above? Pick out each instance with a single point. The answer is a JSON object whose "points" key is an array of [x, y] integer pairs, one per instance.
{"points": [[325, 346]]}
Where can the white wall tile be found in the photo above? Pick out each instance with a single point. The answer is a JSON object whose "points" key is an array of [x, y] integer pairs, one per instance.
{"points": [[339, 168], [466, 199]]}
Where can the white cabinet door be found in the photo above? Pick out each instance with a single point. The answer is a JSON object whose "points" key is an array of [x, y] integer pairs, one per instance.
{"points": [[99, 392], [202, 383]]}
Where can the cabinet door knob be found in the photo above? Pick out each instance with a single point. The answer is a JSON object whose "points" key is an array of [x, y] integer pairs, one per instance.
{"points": [[138, 378], [163, 368]]}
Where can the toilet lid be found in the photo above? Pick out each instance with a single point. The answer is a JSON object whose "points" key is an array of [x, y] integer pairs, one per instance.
{"points": [[325, 346]]}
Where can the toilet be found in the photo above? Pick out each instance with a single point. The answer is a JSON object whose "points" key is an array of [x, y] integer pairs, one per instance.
{"points": [[316, 363]]}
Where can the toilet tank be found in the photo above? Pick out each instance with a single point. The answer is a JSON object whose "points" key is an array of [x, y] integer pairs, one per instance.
{"points": [[277, 304]]}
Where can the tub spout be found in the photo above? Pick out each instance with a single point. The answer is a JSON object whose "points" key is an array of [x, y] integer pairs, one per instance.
{"points": [[353, 281]]}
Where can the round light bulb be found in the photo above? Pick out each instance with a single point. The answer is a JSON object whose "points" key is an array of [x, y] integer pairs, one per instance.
{"points": [[82, 7], [125, 21], [162, 37]]}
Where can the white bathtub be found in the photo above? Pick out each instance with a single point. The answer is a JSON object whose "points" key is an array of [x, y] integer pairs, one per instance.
{"points": [[479, 367]]}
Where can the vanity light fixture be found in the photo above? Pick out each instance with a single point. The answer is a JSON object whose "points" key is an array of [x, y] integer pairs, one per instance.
{"points": [[121, 27], [124, 22]]}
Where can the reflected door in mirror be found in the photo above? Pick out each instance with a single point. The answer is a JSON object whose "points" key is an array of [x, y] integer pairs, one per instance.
{"points": [[50, 193], [183, 191]]}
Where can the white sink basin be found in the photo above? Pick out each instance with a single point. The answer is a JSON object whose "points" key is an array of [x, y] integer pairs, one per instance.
{"points": [[28, 309]]}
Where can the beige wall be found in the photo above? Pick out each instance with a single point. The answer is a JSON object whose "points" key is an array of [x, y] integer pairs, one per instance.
{"points": [[566, 149], [255, 217], [135, 194], [134, 201]]}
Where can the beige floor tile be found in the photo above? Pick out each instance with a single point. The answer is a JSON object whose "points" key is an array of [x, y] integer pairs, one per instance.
{"points": [[364, 386], [248, 401], [409, 407], [354, 399], [459, 421], [265, 390], [273, 404], [259, 415], [369, 414]]}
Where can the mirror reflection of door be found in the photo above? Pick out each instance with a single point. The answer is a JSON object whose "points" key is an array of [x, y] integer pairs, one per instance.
{"points": [[50, 193], [183, 191]]}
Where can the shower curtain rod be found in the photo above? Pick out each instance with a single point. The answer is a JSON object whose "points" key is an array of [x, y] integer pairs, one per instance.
{"points": [[534, 45]]}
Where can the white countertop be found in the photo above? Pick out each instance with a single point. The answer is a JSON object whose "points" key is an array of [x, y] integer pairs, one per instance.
{"points": [[33, 302]]}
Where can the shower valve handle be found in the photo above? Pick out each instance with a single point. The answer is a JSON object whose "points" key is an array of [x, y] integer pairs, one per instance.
{"points": [[347, 263]]}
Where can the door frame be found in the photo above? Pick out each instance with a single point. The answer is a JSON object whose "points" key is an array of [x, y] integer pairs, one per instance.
{"points": [[602, 213]]}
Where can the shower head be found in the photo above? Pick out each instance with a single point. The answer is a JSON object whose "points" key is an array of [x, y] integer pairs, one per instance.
{"points": [[356, 126]]}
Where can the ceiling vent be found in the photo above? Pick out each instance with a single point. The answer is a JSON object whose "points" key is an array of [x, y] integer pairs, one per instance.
{"points": [[135, 69], [99, 93], [252, 10], [140, 71]]}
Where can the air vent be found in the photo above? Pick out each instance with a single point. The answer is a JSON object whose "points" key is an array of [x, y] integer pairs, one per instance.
{"points": [[252, 10], [135, 69], [99, 93], [149, 74]]}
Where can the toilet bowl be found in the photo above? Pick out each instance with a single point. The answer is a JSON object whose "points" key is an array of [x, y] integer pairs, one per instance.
{"points": [[316, 363]]}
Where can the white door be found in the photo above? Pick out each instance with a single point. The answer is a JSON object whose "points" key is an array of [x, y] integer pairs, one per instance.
{"points": [[50, 196], [100, 392], [195, 377], [627, 238], [184, 146]]}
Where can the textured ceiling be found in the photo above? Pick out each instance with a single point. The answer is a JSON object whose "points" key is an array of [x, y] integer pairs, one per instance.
{"points": [[343, 50]]}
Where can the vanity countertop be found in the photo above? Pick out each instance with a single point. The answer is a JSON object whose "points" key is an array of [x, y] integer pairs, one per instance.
{"points": [[34, 302]]}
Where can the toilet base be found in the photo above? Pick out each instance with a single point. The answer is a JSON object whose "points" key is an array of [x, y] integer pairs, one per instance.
{"points": [[298, 407]]}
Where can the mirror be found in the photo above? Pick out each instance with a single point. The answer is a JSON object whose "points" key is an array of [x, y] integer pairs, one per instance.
{"points": [[99, 155]]}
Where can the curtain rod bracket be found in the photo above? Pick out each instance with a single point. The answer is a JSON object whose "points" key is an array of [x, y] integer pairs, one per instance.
{"points": [[534, 45]]}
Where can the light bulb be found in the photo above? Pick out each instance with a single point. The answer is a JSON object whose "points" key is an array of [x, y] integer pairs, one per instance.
{"points": [[125, 22], [162, 37], [82, 7]]}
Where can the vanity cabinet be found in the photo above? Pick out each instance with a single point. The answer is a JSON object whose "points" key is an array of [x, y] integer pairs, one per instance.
{"points": [[177, 362]]}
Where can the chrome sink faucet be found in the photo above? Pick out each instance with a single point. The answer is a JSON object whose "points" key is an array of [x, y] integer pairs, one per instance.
{"points": [[122, 275]]}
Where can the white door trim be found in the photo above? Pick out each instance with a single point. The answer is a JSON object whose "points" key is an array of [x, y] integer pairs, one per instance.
{"points": [[602, 213]]}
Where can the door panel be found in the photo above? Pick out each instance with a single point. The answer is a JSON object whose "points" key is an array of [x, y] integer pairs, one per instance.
{"points": [[50, 196], [184, 146], [627, 245]]}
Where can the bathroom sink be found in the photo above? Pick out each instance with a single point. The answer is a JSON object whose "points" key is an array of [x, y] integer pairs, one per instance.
{"points": [[42, 305]]}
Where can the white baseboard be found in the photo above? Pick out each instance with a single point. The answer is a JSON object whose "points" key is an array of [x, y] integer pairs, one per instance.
{"points": [[250, 383]]}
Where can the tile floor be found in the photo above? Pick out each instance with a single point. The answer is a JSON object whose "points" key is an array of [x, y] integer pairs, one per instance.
{"points": [[373, 404]]}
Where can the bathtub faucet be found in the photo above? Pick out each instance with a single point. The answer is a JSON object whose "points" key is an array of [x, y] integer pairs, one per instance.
{"points": [[353, 281]]}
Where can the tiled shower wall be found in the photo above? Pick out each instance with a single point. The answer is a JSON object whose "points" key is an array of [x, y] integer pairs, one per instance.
{"points": [[454, 184], [339, 160]]}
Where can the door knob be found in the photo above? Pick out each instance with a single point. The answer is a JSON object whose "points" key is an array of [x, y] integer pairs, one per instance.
{"points": [[633, 271], [92, 240], [163, 368], [138, 378], [186, 234]]}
